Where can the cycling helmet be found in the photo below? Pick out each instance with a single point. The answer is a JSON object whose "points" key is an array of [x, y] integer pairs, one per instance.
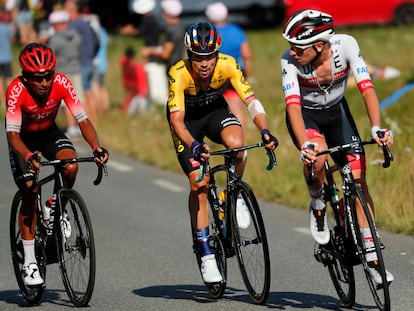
{"points": [[37, 58], [306, 27], [202, 39]]}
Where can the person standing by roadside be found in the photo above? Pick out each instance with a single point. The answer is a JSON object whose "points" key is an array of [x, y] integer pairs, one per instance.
{"points": [[66, 43], [236, 44], [87, 54], [172, 49], [6, 37]]}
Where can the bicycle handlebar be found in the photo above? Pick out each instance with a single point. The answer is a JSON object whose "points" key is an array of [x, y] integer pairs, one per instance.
{"points": [[388, 157], [205, 166], [60, 162]]}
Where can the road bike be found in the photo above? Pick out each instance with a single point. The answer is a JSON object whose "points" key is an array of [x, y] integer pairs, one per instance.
{"points": [[67, 239], [346, 246], [227, 238]]}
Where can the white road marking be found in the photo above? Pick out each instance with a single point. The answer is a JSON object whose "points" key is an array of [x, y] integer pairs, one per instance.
{"points": [[167, 185], [302, 230], [119, 166]]}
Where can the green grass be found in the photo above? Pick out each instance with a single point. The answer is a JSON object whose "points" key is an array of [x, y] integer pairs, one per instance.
{"points": [[146, 138]]}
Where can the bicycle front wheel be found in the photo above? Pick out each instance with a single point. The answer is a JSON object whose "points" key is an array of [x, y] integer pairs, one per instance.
{"points": [[380, 292], [31, 294], [76, 247], [250, 242]]}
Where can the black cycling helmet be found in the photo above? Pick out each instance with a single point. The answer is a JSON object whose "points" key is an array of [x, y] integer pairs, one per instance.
{"points": [[37, 58], [202, 39], [304, 28]]}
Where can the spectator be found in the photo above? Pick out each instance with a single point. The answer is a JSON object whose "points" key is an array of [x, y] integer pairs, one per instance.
{"points": [[171, 51], [6, 37], [98, 82], [135, 84], [66, 43], [25, 21], [234, 43], [150, 31], [87, 54]]}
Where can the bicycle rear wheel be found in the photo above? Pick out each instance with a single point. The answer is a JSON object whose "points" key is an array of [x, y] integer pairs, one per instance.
{"points": [[336, 256], [380, 293], [251, 245], [216, 290], [31, 294], [76, 247]]}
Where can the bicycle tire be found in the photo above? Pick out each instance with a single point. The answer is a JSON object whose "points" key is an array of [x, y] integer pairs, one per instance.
{"points": [[251, 246], [76, 247], [381, 293], [337, 253], [31, 294], [216, 290]]}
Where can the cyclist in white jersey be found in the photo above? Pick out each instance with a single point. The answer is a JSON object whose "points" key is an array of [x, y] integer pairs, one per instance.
{"points": [[315, 72]]}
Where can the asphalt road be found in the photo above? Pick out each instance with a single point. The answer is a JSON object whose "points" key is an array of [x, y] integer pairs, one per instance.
{"points": [[145, 259]]}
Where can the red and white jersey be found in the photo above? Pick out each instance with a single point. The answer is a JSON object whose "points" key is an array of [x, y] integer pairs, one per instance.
{"points": [[24, 114], [300, 83]]}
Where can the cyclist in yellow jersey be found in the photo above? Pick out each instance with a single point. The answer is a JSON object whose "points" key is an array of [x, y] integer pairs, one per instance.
{"points": [[196, 109]]}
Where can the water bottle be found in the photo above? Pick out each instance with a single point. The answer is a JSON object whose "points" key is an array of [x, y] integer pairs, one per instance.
{"points": [[48, 214], [222, 202]]}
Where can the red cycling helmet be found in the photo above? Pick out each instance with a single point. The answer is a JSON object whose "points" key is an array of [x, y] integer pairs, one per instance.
{"points": [[37, 58], [202, 39]]}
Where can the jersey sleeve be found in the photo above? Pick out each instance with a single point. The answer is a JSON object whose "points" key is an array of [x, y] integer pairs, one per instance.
{"points": [[237, 79], [357, 64], [290, 81], [13, 106], [177, 85], [70, 98]]}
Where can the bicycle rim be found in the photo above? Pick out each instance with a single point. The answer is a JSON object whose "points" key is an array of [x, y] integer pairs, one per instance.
{"points": [[335, 256], [251, 246], [76, 247], [381, 293], [31, 294]]}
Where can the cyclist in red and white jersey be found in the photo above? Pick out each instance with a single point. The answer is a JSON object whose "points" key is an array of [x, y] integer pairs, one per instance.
{"points": [[315, 72], [32, 103]]}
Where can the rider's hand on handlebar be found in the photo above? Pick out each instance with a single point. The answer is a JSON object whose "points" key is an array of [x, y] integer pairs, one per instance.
{"points": [[382, 136], [101, 155], [308, 152], [200, 151], [32, 161], [270, 141]]}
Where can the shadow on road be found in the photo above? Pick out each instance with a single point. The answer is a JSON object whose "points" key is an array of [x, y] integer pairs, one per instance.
{"points": [[276, 300]]}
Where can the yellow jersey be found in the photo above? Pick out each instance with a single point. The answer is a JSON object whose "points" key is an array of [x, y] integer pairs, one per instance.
{"points": [[185, 93]]}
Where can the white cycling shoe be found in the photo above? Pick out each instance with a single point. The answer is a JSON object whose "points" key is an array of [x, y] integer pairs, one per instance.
{"points": [[376, 276], [242, 213], [31, 275], [318, 226], [209, 270]]}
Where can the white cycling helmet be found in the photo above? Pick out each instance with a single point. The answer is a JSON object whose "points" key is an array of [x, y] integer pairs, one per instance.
{"points": [[306, 27], [143, 6]]}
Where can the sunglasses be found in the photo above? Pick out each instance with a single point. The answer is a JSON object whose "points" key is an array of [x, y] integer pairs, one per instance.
{"points": [[39, 78], [299, 49]]}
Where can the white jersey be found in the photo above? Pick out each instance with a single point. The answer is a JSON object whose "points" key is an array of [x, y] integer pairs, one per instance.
{"points": [[300, 83]]}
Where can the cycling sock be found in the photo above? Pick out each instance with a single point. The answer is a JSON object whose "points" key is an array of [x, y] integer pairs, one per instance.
{"points": [[202, 240], [317, 202], [371, 254], [29, 251]]}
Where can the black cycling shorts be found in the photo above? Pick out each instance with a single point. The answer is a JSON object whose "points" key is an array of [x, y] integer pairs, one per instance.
{"points": [[336, 124], [203, 122], [48, 142]]}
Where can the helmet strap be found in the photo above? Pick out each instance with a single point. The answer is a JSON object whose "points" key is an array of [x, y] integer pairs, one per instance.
{"points": [[318, 54]]}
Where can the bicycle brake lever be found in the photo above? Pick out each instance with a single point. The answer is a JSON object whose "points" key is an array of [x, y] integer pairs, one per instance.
{"points": [[272, 159]]}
